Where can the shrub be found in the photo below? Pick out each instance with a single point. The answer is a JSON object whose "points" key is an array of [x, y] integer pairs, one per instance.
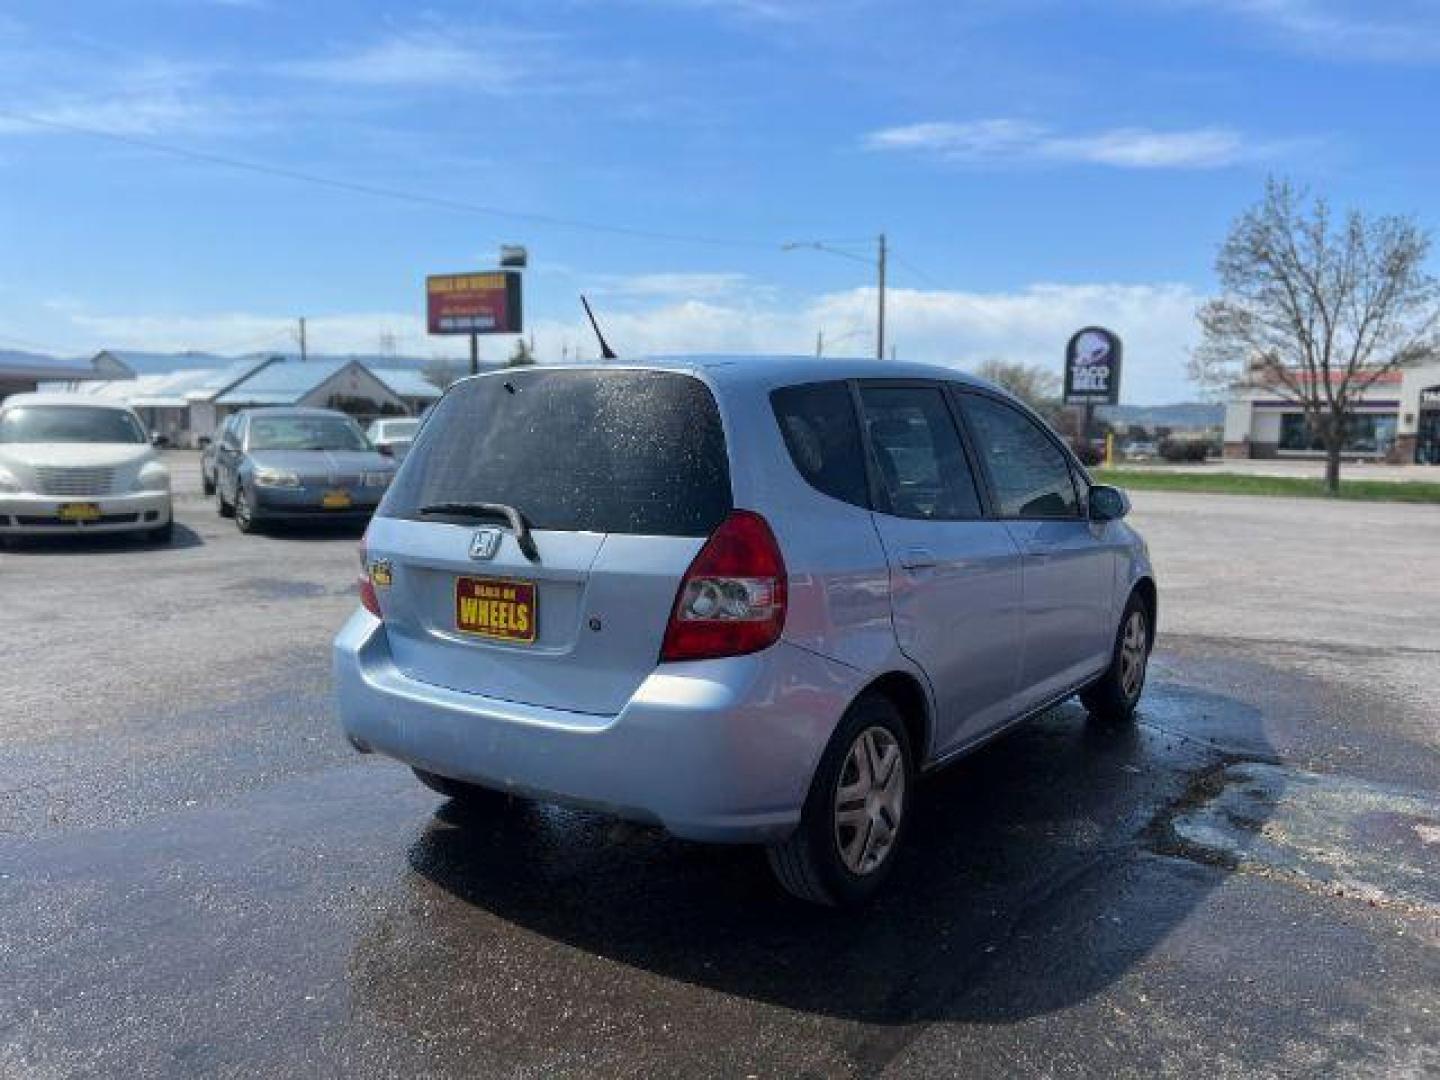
{"points": [[1184, 449]]}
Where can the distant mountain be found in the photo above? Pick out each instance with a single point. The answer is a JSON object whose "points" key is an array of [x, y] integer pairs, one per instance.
{"points": [[1181, 415]]}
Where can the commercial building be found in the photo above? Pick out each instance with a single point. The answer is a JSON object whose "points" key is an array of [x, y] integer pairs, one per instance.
{"points": [[1396, 419]]}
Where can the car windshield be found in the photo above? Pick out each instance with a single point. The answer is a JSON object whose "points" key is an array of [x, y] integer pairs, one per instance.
{"points": [[306, 433], [69, 424]]}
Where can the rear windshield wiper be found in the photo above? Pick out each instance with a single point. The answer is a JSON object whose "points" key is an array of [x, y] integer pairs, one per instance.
{"points": [[508, 514]]}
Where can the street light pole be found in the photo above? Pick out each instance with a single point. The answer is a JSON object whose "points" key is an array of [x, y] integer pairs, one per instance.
{"points": [[882, 257]]}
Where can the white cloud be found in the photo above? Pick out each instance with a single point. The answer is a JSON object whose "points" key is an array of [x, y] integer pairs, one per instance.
{"points": [[960, 329], [493, 62], [1002, 141], [1403, 31], [144, 97]]}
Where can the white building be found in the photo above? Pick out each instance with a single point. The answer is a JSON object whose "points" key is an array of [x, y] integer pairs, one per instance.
{"points": [[1397, 419]]}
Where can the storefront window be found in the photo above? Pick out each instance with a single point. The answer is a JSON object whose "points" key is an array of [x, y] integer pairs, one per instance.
{"points": [[1372, 434]]}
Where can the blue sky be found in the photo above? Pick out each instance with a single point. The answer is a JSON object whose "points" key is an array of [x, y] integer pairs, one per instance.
{"points": [[1037, 164]]}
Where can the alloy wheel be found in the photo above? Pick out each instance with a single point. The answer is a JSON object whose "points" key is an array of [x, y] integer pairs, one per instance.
{"points": [[1134, 648], [870, 800]]}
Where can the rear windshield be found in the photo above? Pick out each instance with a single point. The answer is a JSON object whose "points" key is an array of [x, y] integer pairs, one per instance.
{"points": [[599, 451]]}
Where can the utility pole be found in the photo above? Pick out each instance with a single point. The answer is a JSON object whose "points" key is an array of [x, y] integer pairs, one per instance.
{"points": [[304, 355], [819, 343], [882, 256], [880, 321]]}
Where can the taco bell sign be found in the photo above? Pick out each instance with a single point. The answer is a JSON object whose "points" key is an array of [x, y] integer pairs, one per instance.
{"points": [[1092, 367]]}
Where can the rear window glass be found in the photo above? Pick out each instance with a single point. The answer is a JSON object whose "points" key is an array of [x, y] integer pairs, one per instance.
{"points": [[818, 423], [600, 451]]}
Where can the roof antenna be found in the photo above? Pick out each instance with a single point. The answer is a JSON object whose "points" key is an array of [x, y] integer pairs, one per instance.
{"points": [[605, 350]]}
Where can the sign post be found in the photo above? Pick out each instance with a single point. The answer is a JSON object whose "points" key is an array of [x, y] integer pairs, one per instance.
{"points": [[1092, 372]]}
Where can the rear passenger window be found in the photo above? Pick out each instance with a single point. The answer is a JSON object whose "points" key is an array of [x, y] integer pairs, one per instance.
{"points": [[923, 469], [1030, 473], [818, 423]]}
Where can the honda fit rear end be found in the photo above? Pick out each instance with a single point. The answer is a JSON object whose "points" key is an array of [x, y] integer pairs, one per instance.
{"points": [[660, 592]]}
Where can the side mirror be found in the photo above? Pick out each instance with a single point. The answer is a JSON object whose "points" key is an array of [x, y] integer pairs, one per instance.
{"points": [[1108, 503]]}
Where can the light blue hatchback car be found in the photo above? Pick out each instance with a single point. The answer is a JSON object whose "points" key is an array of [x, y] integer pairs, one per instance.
{"points": [[748, 599]]}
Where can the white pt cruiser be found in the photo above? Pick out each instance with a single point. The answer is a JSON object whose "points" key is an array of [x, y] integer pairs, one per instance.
{"points": [[69, 464]]}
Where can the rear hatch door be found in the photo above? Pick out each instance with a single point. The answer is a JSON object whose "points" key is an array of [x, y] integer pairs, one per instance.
{"points": [[617, 475]]}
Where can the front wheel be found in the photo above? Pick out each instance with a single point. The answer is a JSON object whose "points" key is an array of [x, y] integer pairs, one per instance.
{"points": [[244, 513], [1115, 694], [163, 535], [854, 817]]}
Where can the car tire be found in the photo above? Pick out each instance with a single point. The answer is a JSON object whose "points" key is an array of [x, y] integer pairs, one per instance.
{"points": [[855, 820], [223, 508], [467, 794], [1112, 698], [243, 513], [163, 535]]}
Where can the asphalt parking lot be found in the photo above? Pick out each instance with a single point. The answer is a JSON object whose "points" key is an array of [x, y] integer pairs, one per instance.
{"points": [[198, 876]]}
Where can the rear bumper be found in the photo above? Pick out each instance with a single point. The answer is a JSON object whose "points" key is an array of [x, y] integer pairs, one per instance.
{"points": [[39, 515], [719, 750]]}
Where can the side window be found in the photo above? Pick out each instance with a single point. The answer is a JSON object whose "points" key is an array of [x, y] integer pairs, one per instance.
{"points": [[1030, 473], [918, 454], [823, 437]]}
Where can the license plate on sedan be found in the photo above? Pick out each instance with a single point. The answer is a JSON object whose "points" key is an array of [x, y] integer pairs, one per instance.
{"points": [[79, 512], [336, 500], [493, 608]]}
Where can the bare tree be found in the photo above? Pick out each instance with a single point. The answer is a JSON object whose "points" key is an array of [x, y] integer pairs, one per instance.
{"points": [[1037, 386], [1316, 309]]}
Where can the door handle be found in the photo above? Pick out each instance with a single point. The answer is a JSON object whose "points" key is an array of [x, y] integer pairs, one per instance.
{"points": [[918, 558]]}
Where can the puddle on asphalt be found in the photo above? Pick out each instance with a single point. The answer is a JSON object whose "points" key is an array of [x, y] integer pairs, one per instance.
{"points": [[1374, 842]]}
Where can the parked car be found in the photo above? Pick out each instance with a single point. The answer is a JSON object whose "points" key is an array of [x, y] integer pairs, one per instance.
{"points": [[733, 599], [1139, 450], [209, 446], [70, 464], [286, 464], [393, 437]]}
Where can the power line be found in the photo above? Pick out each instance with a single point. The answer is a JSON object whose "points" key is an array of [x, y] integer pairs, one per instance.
{"points": [[380, 191]]}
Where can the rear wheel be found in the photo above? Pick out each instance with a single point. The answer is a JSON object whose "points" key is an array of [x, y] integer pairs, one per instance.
{"points": [[854, 817], [1113, 697], [223, 508], [470, 795]]}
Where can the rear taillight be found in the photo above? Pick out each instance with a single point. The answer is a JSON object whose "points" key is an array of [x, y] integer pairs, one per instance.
{"points": [[368, 600], [732, 599]]}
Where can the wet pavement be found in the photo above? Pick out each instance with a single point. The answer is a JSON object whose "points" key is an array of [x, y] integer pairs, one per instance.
{"points": [[197, 877]]}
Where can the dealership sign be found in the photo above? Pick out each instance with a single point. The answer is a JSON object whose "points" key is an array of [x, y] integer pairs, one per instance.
{"points": [[473, 303], [1092, 367]]}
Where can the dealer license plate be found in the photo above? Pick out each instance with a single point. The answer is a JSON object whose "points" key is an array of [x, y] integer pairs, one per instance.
{"points": [[79, 512], [494, 608]]}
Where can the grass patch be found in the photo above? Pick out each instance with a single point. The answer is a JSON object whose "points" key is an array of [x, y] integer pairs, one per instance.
{"points": [[1295, 487]]}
